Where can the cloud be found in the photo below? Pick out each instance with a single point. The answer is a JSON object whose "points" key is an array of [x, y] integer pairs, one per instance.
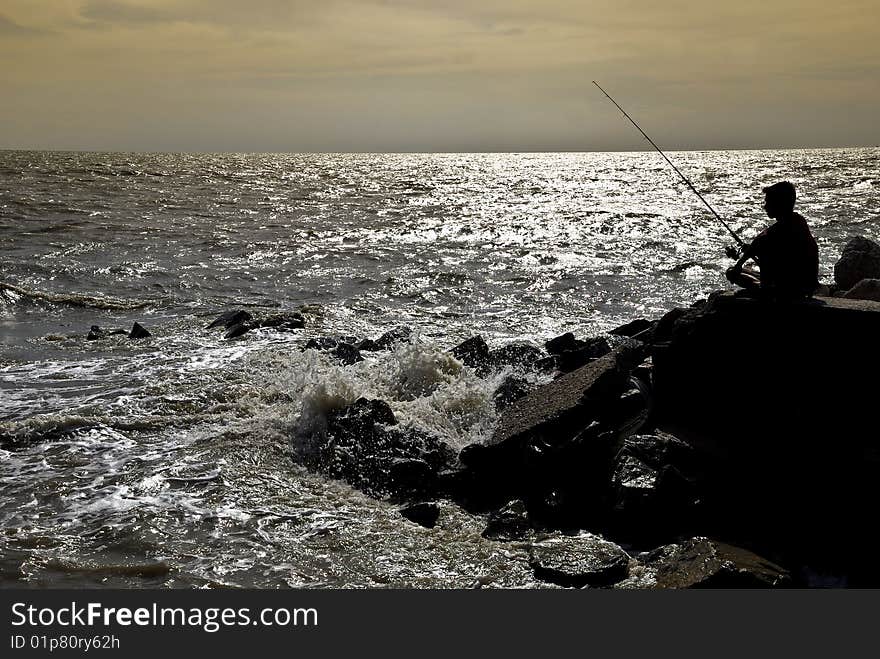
{"points": [[9, 28]]}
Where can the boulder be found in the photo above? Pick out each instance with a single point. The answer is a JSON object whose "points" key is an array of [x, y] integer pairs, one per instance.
{"points": [[229, 318], [422, 513], [866, 289], [346, 354], [561, 343], [640, 326], [515, 354], [392, 337], [237, 330], [859, 260], [509, 523], [364, 445], [321, 343], [472, 352], [511, 389], [584, 560], [588, 351], [282, 321], [704, 563], [558, 410]]}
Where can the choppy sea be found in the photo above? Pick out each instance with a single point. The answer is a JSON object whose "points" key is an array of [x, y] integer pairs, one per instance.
{"points": [[172, 461]]}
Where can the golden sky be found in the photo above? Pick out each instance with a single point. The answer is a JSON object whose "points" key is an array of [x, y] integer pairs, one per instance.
{"points": [[436, 75]]}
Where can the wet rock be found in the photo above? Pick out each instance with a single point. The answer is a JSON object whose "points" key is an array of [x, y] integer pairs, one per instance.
{"points": [[560, 409], [633, 328], [547, 364], [656, 486], [590, 350], [515, 354], [138, 332], [283, 321], [367, 345], [859, 260], [585, 560], [237, 330], [424, 513], [511, 389], [704, 563], [473, 352], [561, 343], [391, 338], [230, 318], [409, 476], [867, 289], [346, 353], [321, 343], [365, 446], [95, 333], [509, 523]]}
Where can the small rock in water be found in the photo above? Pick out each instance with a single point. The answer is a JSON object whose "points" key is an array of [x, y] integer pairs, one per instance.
{"points": [[424, 513], [509, 523], [473, 352], [236, 330], [585, 560], [321, 343], [95, 333], [138, 332], [283, 321], [389, 339], [346, 353], [229, 318]]}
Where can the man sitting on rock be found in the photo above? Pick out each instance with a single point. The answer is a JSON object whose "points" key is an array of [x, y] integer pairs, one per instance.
{"points": [[785, 252]]}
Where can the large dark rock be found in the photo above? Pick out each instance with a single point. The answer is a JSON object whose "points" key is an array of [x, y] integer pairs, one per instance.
{"points": [[703, 563], [774, 396], [558, 410], [639, 327], [365, 446], [588, 351], [585, 560], [473, 352], [509, 523], [515, 354], [859, 260], [551, 447], [656, 482]]}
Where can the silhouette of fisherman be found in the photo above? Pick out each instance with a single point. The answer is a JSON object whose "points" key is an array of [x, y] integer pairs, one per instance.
{"points": [[785, 252]]}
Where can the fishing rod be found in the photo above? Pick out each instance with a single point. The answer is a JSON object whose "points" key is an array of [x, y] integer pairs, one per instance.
{"points": [[677, 171]]}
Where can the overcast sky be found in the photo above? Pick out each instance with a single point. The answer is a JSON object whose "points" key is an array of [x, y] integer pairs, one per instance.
{"points": [[436, 75]]}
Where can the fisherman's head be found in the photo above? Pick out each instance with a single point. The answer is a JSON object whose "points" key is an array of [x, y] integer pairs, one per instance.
{"points": [[779, 199]]}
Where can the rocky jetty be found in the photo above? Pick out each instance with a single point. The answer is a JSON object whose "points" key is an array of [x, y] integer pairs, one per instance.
{"points": [[729, 444]]}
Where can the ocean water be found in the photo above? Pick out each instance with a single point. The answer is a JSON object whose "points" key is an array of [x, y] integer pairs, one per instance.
{"points": [[173, 461]]}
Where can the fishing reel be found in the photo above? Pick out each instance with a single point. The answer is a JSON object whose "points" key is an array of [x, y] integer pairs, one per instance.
{"points": [[733, 252]]}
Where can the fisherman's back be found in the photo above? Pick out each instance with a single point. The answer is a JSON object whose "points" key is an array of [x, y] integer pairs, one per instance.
{"points": [[788, 257]]}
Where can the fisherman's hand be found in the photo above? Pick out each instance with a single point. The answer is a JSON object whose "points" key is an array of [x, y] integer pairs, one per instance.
{"points": [[732, 273]]}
